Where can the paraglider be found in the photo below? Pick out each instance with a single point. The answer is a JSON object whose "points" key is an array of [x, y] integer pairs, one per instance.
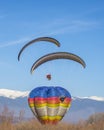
{"points": [[49, 104], [57, 55], [48, 76], [47, 39]]}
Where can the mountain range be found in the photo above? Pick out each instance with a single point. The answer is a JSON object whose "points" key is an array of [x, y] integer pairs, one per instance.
{"points": [[81, 108]]}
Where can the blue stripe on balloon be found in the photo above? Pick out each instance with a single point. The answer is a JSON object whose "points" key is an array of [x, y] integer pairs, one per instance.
{"points": [[49, 92]]}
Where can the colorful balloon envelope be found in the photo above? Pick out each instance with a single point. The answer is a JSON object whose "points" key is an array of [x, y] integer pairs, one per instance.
{"points": [[49, 104]]}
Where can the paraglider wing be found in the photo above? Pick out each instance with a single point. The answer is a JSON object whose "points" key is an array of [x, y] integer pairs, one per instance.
{"points": [[57, 55], [49, 104], [48, 39]]}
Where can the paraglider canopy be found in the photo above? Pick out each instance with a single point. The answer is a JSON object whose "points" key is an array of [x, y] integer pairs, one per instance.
{"points": [[57, 55], [47, 39]]}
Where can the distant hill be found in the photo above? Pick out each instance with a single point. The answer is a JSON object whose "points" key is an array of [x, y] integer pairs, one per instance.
{"points": [[82, 107]]}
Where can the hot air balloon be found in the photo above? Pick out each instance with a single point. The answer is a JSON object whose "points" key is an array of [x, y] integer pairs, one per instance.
{"points": [[49, 104], [39, 39]]}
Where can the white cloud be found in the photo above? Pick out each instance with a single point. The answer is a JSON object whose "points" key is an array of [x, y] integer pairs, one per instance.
{"points": [[73, 26], [13, 43], [58, 27]]}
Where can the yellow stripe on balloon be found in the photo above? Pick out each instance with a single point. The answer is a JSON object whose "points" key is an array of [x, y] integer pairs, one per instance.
{"points": [[49, 105], [65, 105], [53, 105], [58, 105], [37, 105], [51, 117]]}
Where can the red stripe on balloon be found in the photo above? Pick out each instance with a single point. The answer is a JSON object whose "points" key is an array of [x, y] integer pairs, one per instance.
{"points": [[52, 100]]}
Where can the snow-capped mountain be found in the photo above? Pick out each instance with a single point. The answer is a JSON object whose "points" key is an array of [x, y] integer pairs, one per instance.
{"points": [[91, 97], [13, 93], [81, 107]]}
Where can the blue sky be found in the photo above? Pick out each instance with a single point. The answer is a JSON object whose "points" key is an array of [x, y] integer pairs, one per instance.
{"points": [[78, 25]]}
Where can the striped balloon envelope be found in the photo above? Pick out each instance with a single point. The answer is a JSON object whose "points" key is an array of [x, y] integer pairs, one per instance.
{"points": [[49, 104]]}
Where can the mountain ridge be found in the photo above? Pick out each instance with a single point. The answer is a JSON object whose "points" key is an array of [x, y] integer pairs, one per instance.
{"points": [[13, 94], [81, 107]]}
